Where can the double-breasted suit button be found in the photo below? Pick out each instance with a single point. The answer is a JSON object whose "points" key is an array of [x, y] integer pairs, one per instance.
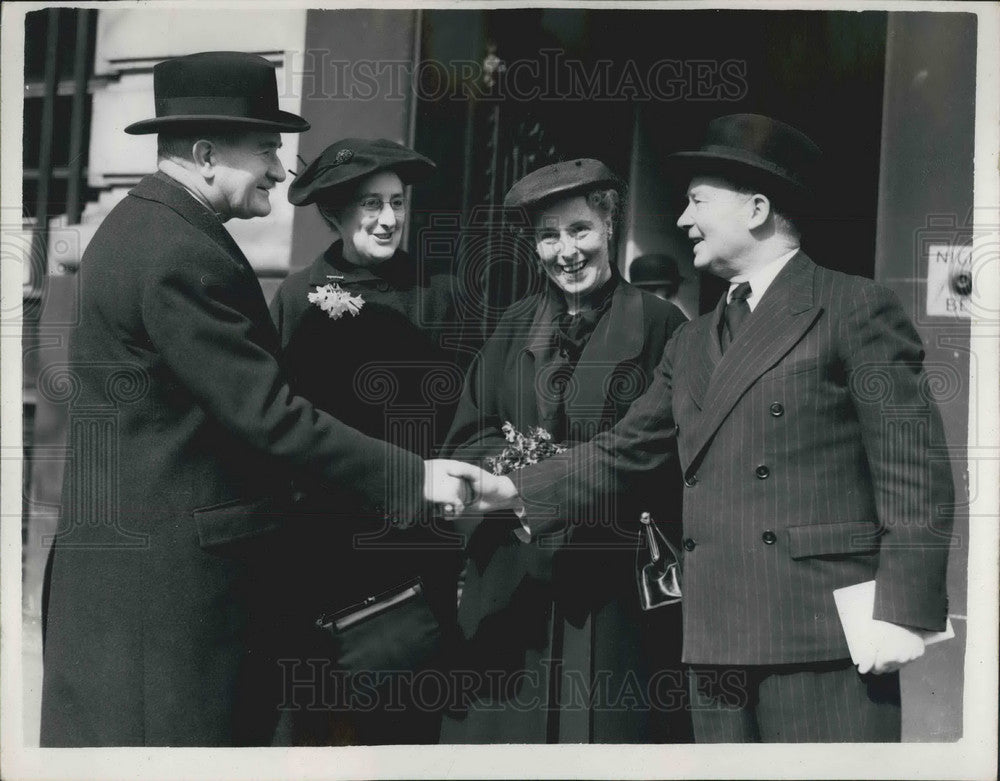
{"points": [[382, 287], [762, 472], [689, 544], [777, 409], [691, 481], [769, 537]]}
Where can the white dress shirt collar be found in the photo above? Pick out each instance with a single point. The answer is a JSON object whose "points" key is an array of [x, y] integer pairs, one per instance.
{"points": [[760, 279]]}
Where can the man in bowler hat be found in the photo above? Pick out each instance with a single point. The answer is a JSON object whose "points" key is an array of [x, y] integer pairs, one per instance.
{"points": [[804, 428], [163, 615]]}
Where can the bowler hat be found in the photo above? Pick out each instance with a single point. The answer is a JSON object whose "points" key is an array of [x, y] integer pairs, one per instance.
{"points": [[224, 89], [331, 177], [757, 149], [560, 180]]}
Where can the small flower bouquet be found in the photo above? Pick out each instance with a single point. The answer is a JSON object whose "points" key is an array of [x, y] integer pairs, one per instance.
{"points": [[336, 301], [523, 449]]}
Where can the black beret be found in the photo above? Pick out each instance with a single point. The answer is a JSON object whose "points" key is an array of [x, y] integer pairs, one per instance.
{"points": [[560, 179], [332, 176]]}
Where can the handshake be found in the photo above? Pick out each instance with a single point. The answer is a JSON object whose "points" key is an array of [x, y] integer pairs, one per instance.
{"points": [[456, 488]]}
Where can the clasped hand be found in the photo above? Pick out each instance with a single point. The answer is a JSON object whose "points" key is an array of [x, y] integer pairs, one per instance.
{"points": [[456, 488]]}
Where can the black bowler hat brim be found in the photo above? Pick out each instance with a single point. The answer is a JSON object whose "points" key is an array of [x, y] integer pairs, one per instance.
{"points": [[229, 90], [758, 151], [283, 122], [745, 168]]}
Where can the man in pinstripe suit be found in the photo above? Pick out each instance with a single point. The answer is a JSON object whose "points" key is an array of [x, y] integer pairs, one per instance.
{"points": [[804, 429]]}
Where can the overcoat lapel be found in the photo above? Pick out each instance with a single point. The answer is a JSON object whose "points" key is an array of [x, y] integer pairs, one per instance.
{"points": [[616, 339], [533, 361], [778, 322]]}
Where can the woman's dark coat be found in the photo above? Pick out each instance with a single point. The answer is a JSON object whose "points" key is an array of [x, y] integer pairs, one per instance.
{"points": [[390, 372], [557, 620]]}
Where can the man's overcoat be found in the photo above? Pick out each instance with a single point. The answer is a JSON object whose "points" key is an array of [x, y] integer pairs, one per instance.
{"points": [[163, 615]]}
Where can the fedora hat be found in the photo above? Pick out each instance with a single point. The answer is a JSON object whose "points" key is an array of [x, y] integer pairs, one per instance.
{"points": [[560, 180], [760, 150], [331, 178], [217, 89]]}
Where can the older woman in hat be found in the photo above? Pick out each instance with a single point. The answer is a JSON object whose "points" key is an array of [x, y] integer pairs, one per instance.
{"points": [[362, 337], [553, 625]]}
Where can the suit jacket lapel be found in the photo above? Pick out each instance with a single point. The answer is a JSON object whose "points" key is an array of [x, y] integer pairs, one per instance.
{"points": [[161, 188], [706, 357], [778, 322]]}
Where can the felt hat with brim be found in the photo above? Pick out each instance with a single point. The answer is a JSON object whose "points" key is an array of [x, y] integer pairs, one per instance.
{"points": [[654, 270], [560, 180], [332, 177], [217, 90], [758, 150]]}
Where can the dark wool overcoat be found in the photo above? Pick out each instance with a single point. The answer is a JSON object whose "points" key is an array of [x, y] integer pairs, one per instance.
{"points": [[554, 639], [811, 456], [163, 610]]}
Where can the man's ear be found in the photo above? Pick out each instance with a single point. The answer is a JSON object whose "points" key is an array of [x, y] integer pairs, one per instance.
{"points": [[761, 210], [204, 153]]}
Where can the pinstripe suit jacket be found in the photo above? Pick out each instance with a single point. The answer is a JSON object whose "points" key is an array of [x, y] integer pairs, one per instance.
{"points": [[807, 451]]}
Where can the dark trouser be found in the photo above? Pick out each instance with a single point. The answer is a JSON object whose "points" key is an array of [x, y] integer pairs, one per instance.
{"points": [[820, 702]]}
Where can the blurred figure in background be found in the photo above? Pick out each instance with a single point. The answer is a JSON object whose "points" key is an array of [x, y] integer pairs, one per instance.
{"points": [[657, 274]]}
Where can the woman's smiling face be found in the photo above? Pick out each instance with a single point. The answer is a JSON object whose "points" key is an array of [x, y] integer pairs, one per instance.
{"points": [[371, 225], [571, 239]]}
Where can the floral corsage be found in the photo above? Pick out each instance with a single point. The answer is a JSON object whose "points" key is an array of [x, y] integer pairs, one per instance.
{"points": [[336, 301], [523, 449]]}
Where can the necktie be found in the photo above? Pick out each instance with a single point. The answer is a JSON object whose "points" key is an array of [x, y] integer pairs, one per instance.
{"points": [[735, 313]]}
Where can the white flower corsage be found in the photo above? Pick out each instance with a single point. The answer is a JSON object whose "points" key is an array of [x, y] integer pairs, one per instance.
{"points": [[336, 301]]}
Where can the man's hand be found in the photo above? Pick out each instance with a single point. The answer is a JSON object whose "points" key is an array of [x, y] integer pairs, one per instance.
{"points": [[890, 647], [446, 486], [489, 492]]}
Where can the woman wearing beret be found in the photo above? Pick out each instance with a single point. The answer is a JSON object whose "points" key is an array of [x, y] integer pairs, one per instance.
{"points": [[362, 335], [554, 643]]}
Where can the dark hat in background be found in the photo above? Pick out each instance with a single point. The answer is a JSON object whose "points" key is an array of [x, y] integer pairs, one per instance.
{"points": [[654, 270], [760, 150], [217, 89], [560, 180], [331, 178]]}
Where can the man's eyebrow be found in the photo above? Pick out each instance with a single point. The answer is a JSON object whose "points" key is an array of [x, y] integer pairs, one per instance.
{"points": [[270, 144]]}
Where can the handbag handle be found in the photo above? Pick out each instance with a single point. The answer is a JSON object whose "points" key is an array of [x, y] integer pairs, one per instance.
{"points": [[654, 549]]}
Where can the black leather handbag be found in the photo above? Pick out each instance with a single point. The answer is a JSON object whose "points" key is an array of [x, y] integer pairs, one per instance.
{"points": [[657, 567], [394, 631]]}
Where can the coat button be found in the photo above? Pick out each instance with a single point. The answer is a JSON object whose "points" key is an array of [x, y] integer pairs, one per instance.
{"points": [[382, 286], [777, 409], [762, 472], [769, 537], [689, 544], [691, 481]]}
